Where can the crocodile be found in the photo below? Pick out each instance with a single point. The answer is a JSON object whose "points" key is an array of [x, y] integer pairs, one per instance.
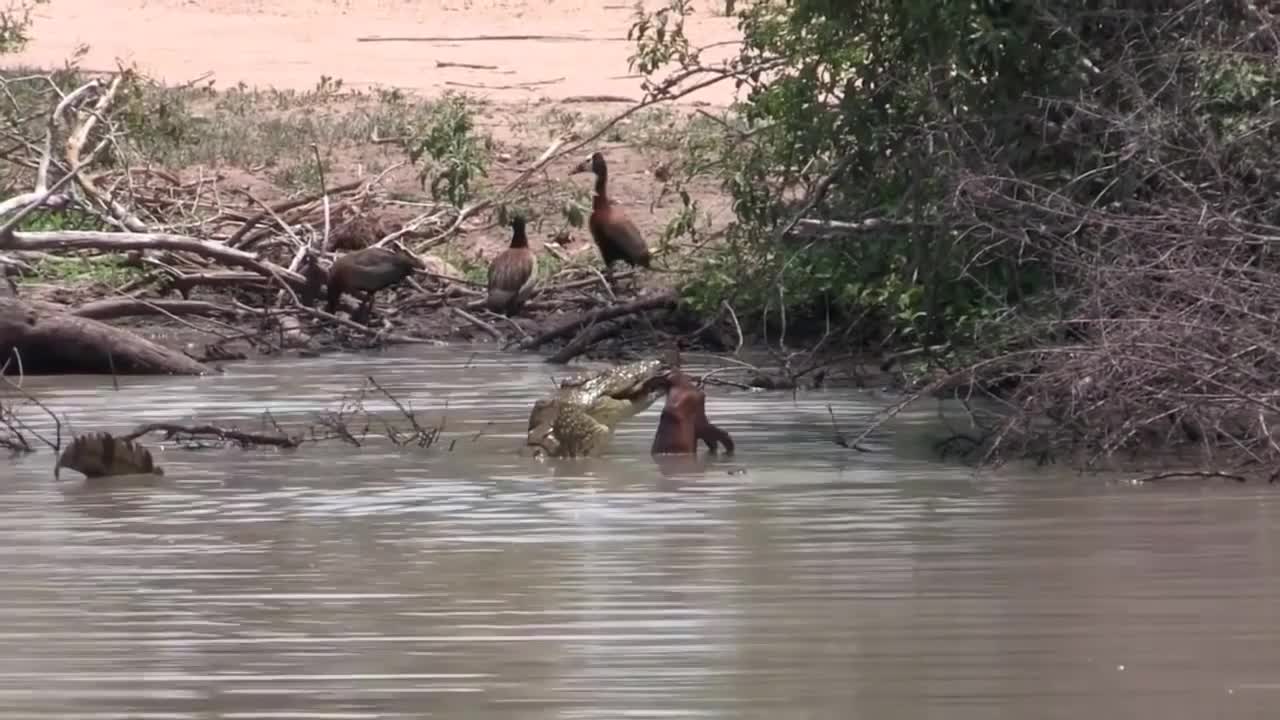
{"points": [[580, 417]]}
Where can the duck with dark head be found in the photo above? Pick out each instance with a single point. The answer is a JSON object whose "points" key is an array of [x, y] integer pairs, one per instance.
{"points": [[369, 271], [684, 420], [513, 274], [615, 235]]}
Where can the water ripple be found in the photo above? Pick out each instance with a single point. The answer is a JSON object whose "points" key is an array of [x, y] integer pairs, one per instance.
{"points": [[796, 579]]}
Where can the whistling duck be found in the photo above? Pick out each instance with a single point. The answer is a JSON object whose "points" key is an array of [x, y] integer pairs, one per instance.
{"points": [[513, 274], [368, 270], [684, 420], [616, 236]]}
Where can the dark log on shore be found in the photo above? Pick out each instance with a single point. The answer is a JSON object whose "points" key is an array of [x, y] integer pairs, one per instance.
{"points": [[52, 343], [660, 299]]}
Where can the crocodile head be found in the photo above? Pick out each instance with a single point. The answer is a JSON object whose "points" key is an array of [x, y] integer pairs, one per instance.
{"points": [[580, 417]]}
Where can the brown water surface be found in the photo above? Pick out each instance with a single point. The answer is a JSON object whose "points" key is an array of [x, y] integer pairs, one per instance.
{"points": [[795, 580]]}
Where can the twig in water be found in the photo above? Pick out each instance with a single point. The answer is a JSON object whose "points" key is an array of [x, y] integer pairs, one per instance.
{"points": [[838, 437], [469, 66], [514, 86], [1199, 474], [244, 439]]}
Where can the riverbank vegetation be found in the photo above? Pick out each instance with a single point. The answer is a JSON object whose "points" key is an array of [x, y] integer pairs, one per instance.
{"points": [[1067, 211], [1062, 214]]}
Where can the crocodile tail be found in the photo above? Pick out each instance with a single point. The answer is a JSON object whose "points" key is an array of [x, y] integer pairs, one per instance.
{"points": [[101, 454]]}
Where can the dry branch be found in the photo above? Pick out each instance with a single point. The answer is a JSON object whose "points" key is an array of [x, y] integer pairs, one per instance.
{"points": [[188, 433], [113, 309], [665, 298], [121, 242], [591, 335]]}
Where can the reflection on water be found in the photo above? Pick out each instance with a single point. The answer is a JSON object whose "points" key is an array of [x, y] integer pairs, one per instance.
{"points": [[795, 580]]}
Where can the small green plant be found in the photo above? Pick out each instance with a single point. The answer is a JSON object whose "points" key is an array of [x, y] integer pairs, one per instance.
{"points": [[62, 220], [15, 21], [453, 155], [106, 270]]}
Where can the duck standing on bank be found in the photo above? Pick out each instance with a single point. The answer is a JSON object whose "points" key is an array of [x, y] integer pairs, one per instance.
{"points": [[368, 270], [513, 274], [615, 235]]}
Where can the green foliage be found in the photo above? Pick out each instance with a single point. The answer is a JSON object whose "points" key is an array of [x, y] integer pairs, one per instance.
{"points": [[455, 155], [106, 270], [890, 107], [62, 220], [15, 21]]}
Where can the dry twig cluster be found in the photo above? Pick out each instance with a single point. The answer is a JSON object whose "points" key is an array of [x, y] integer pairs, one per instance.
{"points": [[1162, 329]]}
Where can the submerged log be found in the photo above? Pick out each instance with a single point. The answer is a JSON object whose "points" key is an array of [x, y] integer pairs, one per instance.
{"points": [[51, 343]]}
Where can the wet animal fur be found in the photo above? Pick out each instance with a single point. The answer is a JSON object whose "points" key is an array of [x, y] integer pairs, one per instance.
{"points": [[315, 278], [368, 271], [512, 274], [98, 455], [615, 235], [684, 421]]}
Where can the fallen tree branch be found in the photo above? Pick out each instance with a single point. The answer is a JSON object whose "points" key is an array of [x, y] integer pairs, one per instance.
{"points": [[665, 298], [1192, 474], [121, 242], [585, 339], [41, 191], [118, 308], [285, 206], [74, 145], [243, 439]]}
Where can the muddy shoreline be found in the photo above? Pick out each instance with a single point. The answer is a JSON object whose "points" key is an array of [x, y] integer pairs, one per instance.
{"points": [[242, 335]]}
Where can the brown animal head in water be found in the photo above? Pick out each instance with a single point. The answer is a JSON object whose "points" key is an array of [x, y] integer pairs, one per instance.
{"points": [[684, 420], [98, 455]]}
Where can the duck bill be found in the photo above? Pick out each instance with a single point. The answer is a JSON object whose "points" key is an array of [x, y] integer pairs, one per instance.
{"points": [[584, 166]]}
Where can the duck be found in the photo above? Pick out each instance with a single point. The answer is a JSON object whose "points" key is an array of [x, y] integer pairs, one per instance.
{"points": [[513, 274], [684, 421], [368, 270], [615, 235]]}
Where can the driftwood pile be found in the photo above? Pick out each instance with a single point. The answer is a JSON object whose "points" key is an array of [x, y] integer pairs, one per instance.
{"points": [[242, 246]]}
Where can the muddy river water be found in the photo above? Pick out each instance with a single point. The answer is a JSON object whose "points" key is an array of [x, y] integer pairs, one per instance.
{"points": [[793, 580]]}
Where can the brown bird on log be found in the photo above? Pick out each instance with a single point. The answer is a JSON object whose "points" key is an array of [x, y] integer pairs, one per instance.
{"points": [[368, 270], [616, 236], [98, 455], [513, 274], [684, 420]]}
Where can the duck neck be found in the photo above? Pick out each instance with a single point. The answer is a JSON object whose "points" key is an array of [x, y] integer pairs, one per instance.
{"points": [[518, 238], [602, 181]]}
